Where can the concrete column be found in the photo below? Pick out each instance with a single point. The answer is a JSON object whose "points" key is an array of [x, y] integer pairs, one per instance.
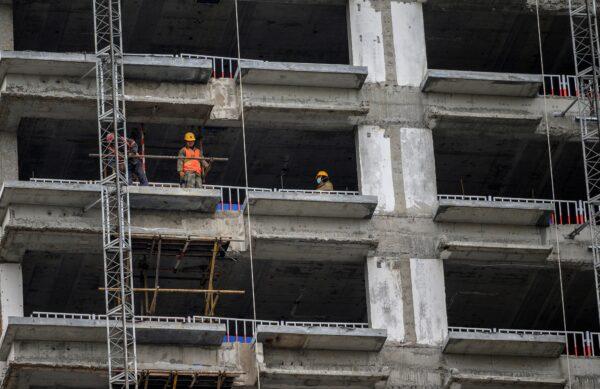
{"points": [[9, 164], [365, 32], [429, 301], [7, 38], [11, 291], [418, 171], [409, 43], [374, 159], [385, 298]]}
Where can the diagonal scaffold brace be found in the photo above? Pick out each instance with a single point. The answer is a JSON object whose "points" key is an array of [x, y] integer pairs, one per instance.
{"points": [[116, 234]]}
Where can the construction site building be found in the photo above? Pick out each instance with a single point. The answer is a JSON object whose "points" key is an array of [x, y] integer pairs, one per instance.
{"points": [[441, 260]]}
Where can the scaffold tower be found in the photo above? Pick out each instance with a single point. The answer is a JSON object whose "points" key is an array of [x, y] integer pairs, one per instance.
{"points": [[586, 50], [112, 135]]}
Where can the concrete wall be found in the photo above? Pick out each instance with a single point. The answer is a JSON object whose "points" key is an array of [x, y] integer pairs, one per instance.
{"points": [[366, 38], [7, 40], [375, 166], [429, 300], [409, 43], [384, 297], [11, 291]]}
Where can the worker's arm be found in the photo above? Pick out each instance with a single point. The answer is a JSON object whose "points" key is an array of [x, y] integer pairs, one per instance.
{"points": [[180, 160]]}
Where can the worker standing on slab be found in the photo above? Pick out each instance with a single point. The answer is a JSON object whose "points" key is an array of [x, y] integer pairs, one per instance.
{"points": [[190, 170], [323, 182], [134, 163]]}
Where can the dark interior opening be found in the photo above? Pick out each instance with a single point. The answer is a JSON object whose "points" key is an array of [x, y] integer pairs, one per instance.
{"points": [[516, 166], [498, 39], [285, 290], [268, 30], [519, 298], [276, 158]]}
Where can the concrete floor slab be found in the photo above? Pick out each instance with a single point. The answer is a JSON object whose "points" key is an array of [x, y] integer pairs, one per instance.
{"points": [[493, 212], [86, 330], [478, 252], [139, 67], [321, 338], [302, 74], [524, 345], [83, 195], [312, 205], [482, 83]]}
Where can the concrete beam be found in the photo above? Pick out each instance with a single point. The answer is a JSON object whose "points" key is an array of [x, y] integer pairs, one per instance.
{"points": [[299, 377], [329, 249], [302, 74], [490, 212], [478, 252], [321, 338], [311, 205], [482, 83], [439, 119], [483, 380], [478, 343], [142, 67], [84, 330]]}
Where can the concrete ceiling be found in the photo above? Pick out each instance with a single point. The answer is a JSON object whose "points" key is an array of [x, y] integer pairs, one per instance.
{"points": [[497, 296], [507, 166], [496, 38], [269, 31], [299, 291], [59, 149]]}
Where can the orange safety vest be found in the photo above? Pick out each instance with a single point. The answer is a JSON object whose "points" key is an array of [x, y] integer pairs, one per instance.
{"points": [[192, 165]]}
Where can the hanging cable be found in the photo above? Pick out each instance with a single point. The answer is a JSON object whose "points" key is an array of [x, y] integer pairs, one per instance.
{"points": [[551, 167], [247, 187]]}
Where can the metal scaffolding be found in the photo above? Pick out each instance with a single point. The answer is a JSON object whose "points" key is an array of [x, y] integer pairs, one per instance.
{"points": [[586, 50], [112, 135]]}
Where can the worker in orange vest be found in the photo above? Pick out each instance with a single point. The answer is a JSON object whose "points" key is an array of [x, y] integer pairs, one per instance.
{"points": [[190, 170]]}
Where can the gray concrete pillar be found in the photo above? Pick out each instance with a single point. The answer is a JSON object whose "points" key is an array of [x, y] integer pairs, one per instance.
{"points": [[385, 298], [11, 292], [409, 43], [9, 164], [7, 37], [365, 30], [429, 301], [419, 185], [374, 160]]}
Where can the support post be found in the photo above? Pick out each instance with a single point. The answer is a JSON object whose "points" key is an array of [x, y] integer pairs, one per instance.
{"points": [[365, 31], [7, 35], [429, 301], [9, 162], [385, 304], [374, 159], [11, 292]]}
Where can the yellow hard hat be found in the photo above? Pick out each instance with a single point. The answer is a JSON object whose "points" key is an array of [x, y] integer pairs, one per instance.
{"points": [[189, 137], [322, 173]]}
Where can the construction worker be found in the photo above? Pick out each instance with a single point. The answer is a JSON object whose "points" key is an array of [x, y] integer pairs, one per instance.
{"points": [[134, 163], [190, 170], [323, 183]]}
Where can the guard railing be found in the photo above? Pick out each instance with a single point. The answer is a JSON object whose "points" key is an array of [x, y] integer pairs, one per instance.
{"points": [[237, 330], [579, 343], [222, 67], [565, 211], [560, 85], [232, 198]]}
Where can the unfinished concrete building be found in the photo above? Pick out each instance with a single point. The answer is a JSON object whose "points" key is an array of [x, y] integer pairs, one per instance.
{"points": [[434, 263]]}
